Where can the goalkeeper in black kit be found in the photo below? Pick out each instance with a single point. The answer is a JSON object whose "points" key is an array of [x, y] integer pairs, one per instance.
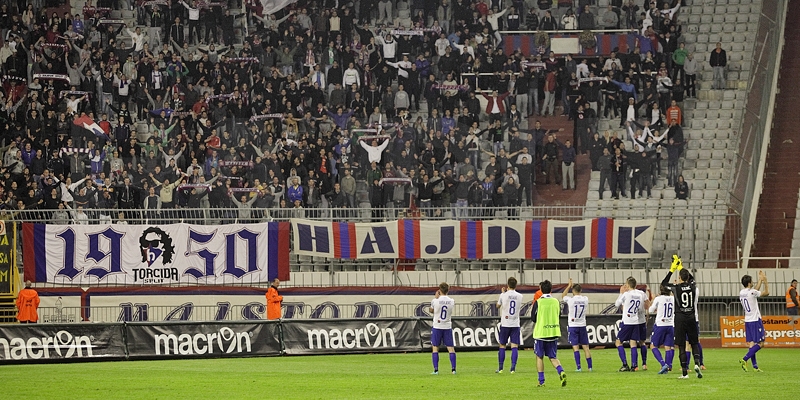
{"points": [[685, 324]]}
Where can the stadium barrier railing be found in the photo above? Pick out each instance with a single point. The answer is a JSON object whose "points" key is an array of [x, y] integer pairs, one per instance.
{"points": [[710, 309]]}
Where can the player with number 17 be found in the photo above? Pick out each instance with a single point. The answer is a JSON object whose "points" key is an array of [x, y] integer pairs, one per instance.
{"points": [[578, 336]]}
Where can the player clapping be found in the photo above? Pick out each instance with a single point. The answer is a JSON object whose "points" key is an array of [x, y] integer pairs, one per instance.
{"points": [[753, 326], [663, 332], [509, 304], [577, 304], [442, 331], [631, 300]]}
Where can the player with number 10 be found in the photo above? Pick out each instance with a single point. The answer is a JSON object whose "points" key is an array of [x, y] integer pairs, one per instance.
{"points": [[753, 326]]}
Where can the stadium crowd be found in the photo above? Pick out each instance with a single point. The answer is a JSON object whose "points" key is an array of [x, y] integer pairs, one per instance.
{"points": [[319, 105]]}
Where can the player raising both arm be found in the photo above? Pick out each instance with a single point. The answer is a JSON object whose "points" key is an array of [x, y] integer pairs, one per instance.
{"points": [[753, 326], [442, 331], [631, 300], [509, 304], [663, 331], [685, 325], [577, 304]]}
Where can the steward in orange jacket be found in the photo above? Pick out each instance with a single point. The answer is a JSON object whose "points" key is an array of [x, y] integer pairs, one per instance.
{"points": [[274, 300], [27, 303]]}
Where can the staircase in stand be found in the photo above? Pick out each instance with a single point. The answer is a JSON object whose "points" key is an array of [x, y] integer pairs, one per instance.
{"points": [[778, 204]]}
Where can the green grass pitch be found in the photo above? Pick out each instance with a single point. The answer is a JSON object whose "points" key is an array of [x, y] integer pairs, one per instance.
{"points": [[397, 376]]}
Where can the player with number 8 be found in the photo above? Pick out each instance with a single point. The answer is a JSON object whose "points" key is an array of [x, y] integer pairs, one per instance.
{"points": [[509, 302]]}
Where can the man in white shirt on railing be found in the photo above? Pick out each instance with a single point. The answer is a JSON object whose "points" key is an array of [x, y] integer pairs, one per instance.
{"points": [[375, 151]]}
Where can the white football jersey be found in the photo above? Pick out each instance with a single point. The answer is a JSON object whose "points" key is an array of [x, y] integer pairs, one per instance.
{"points": [[749, 300], [664, 308], [642, 309], [442, 311], [510, 304], [631, 302], [578, 307]]}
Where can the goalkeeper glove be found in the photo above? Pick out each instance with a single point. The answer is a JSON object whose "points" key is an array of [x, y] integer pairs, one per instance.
{"points": [[676, 262]]}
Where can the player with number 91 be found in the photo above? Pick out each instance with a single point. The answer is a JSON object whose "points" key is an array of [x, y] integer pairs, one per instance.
{"points": [[442, 331], [509, 303], [684, 293]]}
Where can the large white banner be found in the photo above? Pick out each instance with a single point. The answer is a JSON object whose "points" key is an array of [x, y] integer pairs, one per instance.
{"points": [[150, 254]]}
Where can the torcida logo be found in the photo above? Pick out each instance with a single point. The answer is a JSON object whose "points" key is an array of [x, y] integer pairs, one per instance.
{"points": [[155, 244]]}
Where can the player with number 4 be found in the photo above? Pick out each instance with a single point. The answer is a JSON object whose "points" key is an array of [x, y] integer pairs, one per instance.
{"points": [[578, 337], [684, 293], [753, 326], [442, 331], [509, 304]]}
